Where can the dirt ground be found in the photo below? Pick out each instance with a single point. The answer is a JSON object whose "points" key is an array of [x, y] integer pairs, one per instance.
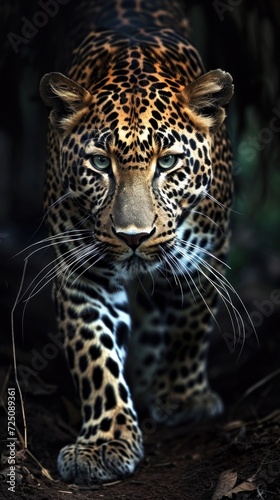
{"points": [[229, 458], [235, 456]]}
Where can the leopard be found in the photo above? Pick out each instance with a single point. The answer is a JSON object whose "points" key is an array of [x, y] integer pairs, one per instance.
{"points": [[137, 201]]}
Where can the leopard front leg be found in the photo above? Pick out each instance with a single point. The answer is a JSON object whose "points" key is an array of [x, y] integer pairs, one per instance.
{"points": [[174, 343], [95, 326], [181, 386]]}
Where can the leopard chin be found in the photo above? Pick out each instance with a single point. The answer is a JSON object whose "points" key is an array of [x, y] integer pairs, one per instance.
{"points": [[134, 266]]}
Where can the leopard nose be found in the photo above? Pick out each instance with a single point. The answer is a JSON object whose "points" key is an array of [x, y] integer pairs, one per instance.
{"points": [[133, 240]]}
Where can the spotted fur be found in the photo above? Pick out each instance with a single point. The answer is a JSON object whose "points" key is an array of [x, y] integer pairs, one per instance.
{"points": [[137, 197]]}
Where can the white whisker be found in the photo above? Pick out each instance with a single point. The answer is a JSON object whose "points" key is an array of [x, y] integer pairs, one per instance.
{"points": [[167, 259], [88, 251], [223, 207], [195, 286], [59, 200], [185, 244], [64, 264], [221, 285], [55, 239], [163, 273], [54, 272], [209, 218]]}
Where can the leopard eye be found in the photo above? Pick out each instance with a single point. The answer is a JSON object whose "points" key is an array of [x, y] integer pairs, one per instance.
{"points": [[100, 162], [166, 162]]}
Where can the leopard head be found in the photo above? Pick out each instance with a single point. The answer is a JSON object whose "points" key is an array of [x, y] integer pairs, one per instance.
{"points": [[135, 154]]}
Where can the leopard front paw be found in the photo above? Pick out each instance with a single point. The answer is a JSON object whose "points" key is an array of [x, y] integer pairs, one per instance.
{"points": [[173, 411], [85, 464]]}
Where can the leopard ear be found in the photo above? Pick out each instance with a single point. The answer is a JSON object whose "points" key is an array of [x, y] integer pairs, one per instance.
{"points": [[208, 95], [67, 98]]}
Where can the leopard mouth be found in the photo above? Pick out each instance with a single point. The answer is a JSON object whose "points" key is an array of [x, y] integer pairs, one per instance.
{"points": [[136, 264], [140, 260]]}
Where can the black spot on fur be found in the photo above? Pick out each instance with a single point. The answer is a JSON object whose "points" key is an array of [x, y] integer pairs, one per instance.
{"points": [[83, 363], [97, 409], [89, 315], [97, 377], [110, 398], [105, 424], [123, 393], [122, 334], [121, 419], [107, 341], [113, 367], [95, 352], [87, 413], [86, 388]]}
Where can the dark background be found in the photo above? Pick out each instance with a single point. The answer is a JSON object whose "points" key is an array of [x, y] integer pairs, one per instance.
{"points": [[242, 37]]}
